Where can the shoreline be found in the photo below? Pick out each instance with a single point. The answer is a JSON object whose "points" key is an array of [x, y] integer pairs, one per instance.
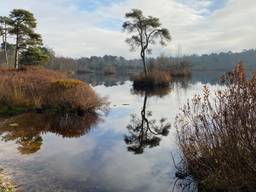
{"points": [[6, 182]]}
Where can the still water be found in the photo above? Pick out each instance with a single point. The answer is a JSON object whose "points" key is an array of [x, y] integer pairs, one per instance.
{"points": [[127, 149]]}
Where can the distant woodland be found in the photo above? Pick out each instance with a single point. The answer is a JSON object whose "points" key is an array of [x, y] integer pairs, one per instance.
{"points": [[114, 64]]}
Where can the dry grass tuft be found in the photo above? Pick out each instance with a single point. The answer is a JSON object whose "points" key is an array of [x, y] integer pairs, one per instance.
{"points": [[217, 136], [66, 83], [154, 79]]}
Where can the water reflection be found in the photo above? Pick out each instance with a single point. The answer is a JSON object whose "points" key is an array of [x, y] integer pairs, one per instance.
{"points": [[205, 77], [27, 129], [102, 79], [154, 92], [144, 131], [99, 161], [182, 83]]}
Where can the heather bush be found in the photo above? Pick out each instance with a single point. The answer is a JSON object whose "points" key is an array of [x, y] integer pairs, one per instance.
{"points": [[37, 88], [71, 95], [217, 136]]}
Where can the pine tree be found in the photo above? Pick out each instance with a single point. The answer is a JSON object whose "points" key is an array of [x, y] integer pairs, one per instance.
{"points": [[144, 31], [23, 24]]}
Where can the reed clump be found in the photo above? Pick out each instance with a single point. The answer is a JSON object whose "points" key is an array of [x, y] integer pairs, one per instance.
{"points": [[217, 136], [153, 79], [42, 89]]}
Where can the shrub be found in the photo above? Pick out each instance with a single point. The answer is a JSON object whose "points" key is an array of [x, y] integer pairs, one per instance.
{"points": [[36, 88], [71, 95], [66, 83], [217, 136], [154, 79]]}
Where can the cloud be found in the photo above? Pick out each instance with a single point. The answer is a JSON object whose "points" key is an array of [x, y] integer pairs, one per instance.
{"points": [[74, 29]]}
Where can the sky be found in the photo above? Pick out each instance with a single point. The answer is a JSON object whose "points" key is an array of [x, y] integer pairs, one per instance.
{"points": [[83, 28]]}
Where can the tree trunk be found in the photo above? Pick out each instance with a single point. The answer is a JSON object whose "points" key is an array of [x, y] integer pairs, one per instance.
{"points": [[143, 111], [16, 61], [5, 42], [144, 62]]}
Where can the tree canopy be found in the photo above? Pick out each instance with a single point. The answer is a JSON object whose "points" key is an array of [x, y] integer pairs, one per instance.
{"points": [[23, 24], [34, 56], [144, 31]]}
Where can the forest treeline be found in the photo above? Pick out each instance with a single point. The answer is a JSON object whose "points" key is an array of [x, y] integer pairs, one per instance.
{"points": [[207, 62], [108, 63], [223, 61]]}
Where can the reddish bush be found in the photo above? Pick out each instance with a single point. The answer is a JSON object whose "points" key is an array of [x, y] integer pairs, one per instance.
{"points": [[35, 88], [217, 136]]}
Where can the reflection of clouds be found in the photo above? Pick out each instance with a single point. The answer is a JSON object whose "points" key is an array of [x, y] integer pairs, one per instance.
{"points": [[118, 95], [115, 119], [67, 160], [142, 174], [100, 158]]}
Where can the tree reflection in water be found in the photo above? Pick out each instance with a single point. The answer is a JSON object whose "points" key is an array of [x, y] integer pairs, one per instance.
{"points": [[27, 129], [144, 131]]}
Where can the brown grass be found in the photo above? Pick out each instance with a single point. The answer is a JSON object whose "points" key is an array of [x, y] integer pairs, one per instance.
{"points": [[154, 79], [217, 136], [37, 88]]}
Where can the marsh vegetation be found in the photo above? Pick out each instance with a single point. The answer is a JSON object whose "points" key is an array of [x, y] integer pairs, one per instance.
{"points": [[52, 131], [36, 89], [216, 134]]}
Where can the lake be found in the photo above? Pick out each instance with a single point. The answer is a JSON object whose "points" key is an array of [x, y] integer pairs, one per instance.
{"points": [[128, 148]]}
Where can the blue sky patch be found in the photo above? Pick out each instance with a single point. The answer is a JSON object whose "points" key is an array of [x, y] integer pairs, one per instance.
{"points": [[92, 5], [210, 5], [113, 24]]}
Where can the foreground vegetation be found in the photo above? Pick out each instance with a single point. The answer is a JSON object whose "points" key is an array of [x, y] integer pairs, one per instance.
{"points": [[38, 89], [5, 183], [217, 136]]}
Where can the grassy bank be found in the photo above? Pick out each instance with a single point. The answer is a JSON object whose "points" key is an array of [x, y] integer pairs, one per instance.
{"points": [[153, 79], [41, 89], [217, 137]]}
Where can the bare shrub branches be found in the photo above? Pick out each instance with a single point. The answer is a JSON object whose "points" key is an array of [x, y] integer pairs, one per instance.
{"points": [[217, 136]]}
